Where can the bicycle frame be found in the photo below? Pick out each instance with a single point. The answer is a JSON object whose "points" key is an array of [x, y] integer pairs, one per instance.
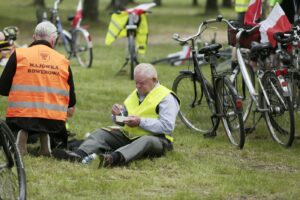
{"points": [[246, 77], [77, 42]]}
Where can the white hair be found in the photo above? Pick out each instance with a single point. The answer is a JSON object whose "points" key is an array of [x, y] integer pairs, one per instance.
{"points": [[146, 70], [45, 30]]}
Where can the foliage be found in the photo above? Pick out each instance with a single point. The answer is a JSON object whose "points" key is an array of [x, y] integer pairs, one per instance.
{"points": [[198, 168]]}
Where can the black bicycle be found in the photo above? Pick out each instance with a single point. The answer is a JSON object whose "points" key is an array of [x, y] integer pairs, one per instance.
{"points": [[12, 172], [134, 20], [204, 103]]}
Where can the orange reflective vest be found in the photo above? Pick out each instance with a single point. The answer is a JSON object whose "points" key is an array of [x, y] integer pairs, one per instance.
{"points": [[40, 86]]}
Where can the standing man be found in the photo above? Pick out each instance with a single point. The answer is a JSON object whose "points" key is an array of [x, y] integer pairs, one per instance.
{"points": [[39, 84], [147, 131], [240, 7]]}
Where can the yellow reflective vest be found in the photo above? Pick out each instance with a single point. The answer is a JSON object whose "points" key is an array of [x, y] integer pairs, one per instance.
{"points": [[241, 5], [147, 109], [117, 29]]}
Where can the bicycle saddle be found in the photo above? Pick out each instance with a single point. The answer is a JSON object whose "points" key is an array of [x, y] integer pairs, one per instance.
{"points": [[210, 48], [10, 32]]}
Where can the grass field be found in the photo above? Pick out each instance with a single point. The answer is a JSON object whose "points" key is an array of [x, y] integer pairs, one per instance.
{"points": [[198, 168]]}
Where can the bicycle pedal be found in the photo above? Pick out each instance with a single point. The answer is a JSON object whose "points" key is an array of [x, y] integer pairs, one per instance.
{"points": [[249, 130], [210, 135]]}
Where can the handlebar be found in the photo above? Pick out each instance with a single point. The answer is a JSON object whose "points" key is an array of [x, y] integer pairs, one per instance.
{"points": [[218, 19], [283, 38], [56, 3]]}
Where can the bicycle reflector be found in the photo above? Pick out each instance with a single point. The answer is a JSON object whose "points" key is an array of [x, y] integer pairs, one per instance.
{"points": [[239, 104], [281, 72]]}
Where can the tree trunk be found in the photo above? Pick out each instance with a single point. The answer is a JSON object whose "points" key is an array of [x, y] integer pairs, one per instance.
{"points": [[211, 7], [90, 10], [40, 3], [195, 3], [158, 2], [118, 4], [227, 3]]}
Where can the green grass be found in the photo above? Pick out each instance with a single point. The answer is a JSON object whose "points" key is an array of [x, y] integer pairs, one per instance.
{"points": [[198, 168]]}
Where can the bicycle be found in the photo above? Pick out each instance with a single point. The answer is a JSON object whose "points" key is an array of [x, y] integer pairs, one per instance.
{"points": [[135, 16], [77, 42], [200, 99], [7, 43], [273, 99], [179, 58], [12, 171], [287, 60]]}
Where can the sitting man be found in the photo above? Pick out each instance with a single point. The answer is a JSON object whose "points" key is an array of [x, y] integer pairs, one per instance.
{"points": [[39, 85], [147, 131]]}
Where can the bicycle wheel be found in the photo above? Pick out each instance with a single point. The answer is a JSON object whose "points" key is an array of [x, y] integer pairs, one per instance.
{"points": [[232, 112], [63, 43], [132, 54], [82, 48], [294, 83], [194, 112], [243, 91], [12, 173], [280, 117]]}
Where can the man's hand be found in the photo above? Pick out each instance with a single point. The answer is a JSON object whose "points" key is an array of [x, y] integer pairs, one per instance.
{"points": [[117, 109], [133, 121], [70, 111]]}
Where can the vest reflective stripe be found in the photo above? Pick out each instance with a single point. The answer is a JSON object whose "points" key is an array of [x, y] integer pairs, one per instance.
{"points": [[32, 88], [116, 27], [142, 35], [241, 5], [146, 109], [40, 86], [37, 105]]}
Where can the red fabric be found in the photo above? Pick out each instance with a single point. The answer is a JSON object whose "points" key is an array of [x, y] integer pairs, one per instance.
{"points": [[281, 25], [253, 13]]}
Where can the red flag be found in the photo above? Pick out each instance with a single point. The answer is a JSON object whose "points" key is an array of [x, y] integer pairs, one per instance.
{"points": [[253, 13], [277, 21], [78, 15]]}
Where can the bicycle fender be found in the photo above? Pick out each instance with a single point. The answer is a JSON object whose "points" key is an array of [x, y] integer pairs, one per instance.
{"points": [[87, 35], [186, 72], [284, 86]]}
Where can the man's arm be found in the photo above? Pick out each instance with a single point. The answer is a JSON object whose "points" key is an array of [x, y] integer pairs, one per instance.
{"points": [[168, 109], [7, 75], [72, 95]]}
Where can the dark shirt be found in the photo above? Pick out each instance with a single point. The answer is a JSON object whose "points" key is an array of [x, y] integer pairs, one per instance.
{"points": [[32, 125]]}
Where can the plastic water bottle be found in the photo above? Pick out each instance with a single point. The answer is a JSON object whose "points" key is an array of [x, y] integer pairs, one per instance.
{"points": [[88, 159]]}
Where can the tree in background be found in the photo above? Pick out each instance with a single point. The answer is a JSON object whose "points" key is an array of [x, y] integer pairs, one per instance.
{"points": [[227, 3], [90, 10], [211, 7], [40, 3]]}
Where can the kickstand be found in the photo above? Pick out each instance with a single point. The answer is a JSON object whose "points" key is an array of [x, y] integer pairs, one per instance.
{"points": [[123, 70], [249, 130]]}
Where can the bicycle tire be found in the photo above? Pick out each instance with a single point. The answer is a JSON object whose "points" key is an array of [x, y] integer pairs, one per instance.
{"points": [[194, 109], [280, 118], [82, 48], [132, 54], [232, 116], [12, 172], [243, 91], [294, 83]]}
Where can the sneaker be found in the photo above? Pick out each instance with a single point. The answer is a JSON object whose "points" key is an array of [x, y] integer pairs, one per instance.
{"points": [[45, 148], [21, 142], [61, 154], [106, 160]]}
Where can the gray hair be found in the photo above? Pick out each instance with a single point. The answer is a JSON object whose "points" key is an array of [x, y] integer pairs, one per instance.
{"points": [[45, 30], [146, 70]]}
